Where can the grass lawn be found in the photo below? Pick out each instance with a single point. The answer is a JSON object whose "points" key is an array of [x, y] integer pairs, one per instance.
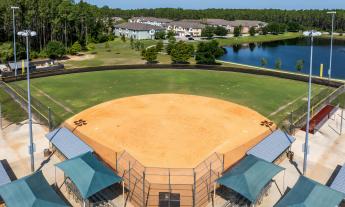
{"points": [[121, 53], [259, 38], [11, 110], [76, 92], [336, 37], [118, 53]]}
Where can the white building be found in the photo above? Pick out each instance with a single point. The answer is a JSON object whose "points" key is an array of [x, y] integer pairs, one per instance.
{"points": [[150, 20], [183, 28], [137, 30]]}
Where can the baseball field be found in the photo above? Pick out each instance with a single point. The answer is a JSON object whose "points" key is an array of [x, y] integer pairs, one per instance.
{"points": [[68, 95]]}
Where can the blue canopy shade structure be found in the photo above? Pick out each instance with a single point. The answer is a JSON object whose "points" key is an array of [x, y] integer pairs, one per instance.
{"points": [[308, 193], [67, 143], [339, 181], [250, 176], [88, 174], [30, 191], [272, 146], [4, 178]]}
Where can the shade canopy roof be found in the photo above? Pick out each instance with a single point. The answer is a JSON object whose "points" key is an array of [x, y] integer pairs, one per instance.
{"points": [[88, 174], [272, 146], [339, 181], [68, 143], [30, 191], [309, 193], [250, 176]]}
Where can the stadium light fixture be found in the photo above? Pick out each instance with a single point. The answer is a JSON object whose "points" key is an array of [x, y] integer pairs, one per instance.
{"points": [[14, 40], [333, 13], [27, 34], [311, 34]]}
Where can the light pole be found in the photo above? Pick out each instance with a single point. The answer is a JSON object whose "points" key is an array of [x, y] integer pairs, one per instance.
{"points": [[14, 40], [310, 34], [27, 34], [331, 52]]}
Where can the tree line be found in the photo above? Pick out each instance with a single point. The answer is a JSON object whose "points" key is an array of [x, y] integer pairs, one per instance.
{"points": [[55, 20], [318, 19]]}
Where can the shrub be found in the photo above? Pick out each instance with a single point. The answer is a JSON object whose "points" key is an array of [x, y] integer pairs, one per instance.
{"points": [[55, 49], [75, 49], [263, 62], [278, 63], [91, 46]]}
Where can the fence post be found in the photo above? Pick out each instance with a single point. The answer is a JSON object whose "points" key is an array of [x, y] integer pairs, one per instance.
{"points": [[129, 176], [117, 171], [194, 187], [144, 201], [50, 119], [169, 189]]}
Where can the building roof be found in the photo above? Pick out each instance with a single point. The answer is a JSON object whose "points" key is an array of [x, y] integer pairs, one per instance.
{"points": [[339, 181], [187, 24], [88, 174], [68, 143], [246, 23], [250, 176], [4, 177], [151, 19], [30, 191], [217, 22], [138, 26], [272, 146], [309, 193]]}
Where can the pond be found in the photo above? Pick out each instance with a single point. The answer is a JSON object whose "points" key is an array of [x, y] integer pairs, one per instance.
{"points": [[288, 53]]}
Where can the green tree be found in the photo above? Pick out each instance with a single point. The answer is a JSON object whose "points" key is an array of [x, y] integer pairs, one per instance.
{"points": [[207, 52], [170, 34], [159, 46], [237, 31], [263, 62], [207, 32], [220, 31], [55, 49], [171, 45], [276, 28], [75, 49], [278, 64], [181, 52], [264, 30], [150, 55], [300, 65], [160, 35], [132, 42], [252, 31], [123, 38]]}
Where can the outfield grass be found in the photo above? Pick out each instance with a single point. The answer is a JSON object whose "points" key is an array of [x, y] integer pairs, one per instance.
{"points": [[77, 92], [11, 110]]}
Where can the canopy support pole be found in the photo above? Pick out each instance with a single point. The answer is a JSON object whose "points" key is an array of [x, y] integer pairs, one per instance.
{"points": [[214, 193], [123, 193]]}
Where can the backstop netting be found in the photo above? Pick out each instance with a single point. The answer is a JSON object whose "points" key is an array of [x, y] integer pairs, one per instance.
{"points": [[149, 186]]}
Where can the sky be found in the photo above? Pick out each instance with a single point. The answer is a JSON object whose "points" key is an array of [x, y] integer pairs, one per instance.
{"points": [[203, 4]]}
